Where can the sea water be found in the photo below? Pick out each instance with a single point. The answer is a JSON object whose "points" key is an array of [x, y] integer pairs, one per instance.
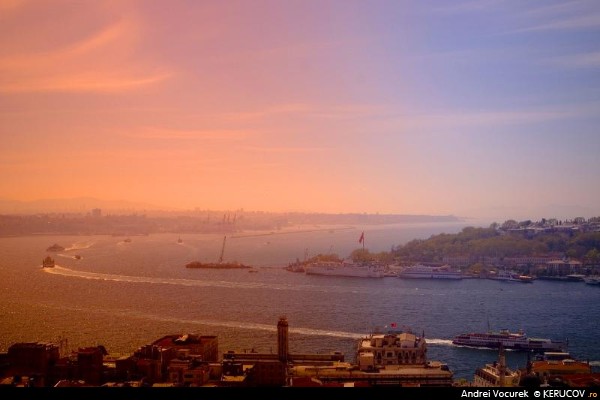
{"points": [[127, 294]]}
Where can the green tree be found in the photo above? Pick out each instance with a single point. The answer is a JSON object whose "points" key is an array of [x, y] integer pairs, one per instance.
{"points": [[361, 255]]}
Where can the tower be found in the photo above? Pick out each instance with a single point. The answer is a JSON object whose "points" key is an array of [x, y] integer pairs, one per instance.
{"points": [[282, 339], [501, 367]]}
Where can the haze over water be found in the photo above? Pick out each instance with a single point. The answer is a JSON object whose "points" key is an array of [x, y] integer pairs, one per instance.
{"points": [[123, 295]]}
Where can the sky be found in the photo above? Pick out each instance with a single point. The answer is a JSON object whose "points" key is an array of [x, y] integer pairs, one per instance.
{"points": [[472, 108]]}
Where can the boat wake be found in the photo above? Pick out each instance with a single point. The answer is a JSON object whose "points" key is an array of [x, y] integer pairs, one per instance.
{"points": [[231, 324], [209, 322], [58, 270], [439, 342], [64, 255], [80, 246]]}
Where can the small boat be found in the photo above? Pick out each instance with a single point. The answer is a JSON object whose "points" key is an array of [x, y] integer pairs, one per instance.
{"points": [[525, 278], [48, 262], [509, 276], [179, 240], [55, 247], [128, 240], [77, 257], [575, 278], [592, 280]]}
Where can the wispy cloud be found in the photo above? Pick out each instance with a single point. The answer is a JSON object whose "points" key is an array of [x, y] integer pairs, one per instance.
{"points": [[265, 112], [284, 150], [82, 82], [335, 111], [582, 60], [9, 5], [189, 134], [447, 121], [467, 6], [101, 62], [589, 21], [559, 16]]}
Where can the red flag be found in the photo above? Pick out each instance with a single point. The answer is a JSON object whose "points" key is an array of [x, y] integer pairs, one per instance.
{"points": [[362, 238]]}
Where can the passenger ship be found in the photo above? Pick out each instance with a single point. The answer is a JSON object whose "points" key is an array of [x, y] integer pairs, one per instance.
{"points": [[343, 268], [509, 340], [427, 272]]}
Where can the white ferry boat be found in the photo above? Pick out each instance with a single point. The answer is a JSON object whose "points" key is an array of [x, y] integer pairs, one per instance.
{"points": [[343, 268], [508, 340], [427, 272]]}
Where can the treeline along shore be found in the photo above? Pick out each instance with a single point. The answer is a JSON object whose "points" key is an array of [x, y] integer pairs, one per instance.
{"points": [[543, 248]]}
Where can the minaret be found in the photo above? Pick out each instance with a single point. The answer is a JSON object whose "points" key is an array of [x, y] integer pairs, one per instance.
{"points": [[282, 339], [501, 367]]}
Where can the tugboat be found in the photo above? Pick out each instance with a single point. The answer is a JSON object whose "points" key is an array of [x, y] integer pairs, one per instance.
{"points": [[48, 262]]}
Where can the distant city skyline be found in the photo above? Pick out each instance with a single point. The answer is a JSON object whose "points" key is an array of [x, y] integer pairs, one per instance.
{"points": [[478, 109]]}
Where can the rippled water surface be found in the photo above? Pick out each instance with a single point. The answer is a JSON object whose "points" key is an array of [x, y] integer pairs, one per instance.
{"points": [[124, 295]]}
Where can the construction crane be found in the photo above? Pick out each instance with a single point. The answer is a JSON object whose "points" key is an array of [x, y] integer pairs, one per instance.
{"points": [[222, 250]]}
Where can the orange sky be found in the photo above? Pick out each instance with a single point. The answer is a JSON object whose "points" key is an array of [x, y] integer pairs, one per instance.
{"points": [[327, 106]]}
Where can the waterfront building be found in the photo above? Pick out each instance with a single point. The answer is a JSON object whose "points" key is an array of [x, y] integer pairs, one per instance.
{"points": [[282, 340], [267, 369], [90, 365], [206, 347], [391, 348], [554, 365], [267, 373], [152, 361], [188, 372], [563, 267], [34, 360], [397, 359], [384, 359], [496, 374], [431, 374]]}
